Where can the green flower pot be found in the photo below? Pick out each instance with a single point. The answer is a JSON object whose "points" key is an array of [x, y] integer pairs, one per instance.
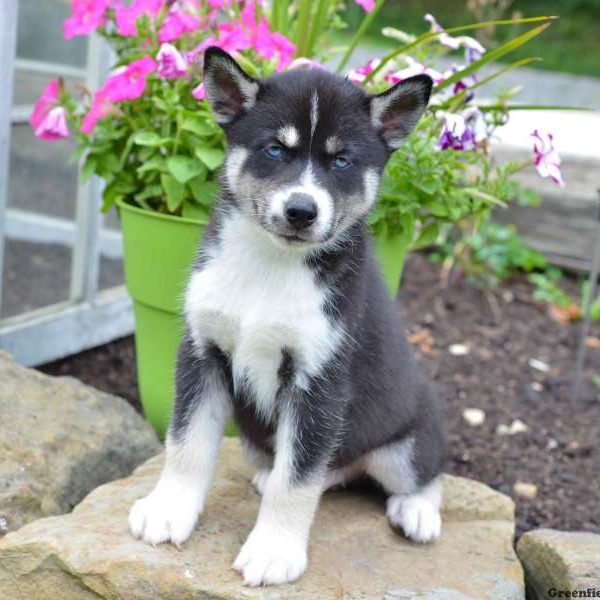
{"points": [[159, 252]]}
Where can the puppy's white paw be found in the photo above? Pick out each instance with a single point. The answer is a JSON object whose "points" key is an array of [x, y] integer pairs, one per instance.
{"points": [[168, 514], [271, 558], [259, 481], [418, 516]]}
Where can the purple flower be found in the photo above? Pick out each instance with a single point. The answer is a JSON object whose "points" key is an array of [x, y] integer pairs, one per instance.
{"points": [[547, 161], [463, 132], [171, 63], [473, 49]]}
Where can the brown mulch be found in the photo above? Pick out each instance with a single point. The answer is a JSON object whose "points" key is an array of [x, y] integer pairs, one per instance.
{"points": [[501, 332]]}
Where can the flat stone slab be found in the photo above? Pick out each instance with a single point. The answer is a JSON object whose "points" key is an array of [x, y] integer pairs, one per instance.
{"points": [[563, 560], [354, 554], [60, 439]]}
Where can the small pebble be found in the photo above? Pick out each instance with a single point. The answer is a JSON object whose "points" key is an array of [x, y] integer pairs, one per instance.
{"points": [[552, 444], [459, 349], [536, 386], [508, 296], [3, 525], [539, 365], [503, 429], [525, 490], [473, 416], [517, 426]]}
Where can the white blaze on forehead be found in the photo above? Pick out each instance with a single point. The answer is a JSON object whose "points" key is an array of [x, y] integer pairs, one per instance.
{"points": [[233, 165], [333, 145], [314, 113], [289, 136], [371, 184]]}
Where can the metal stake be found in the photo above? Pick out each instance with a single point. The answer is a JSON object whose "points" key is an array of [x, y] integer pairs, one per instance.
{"points": [[587, 317]]}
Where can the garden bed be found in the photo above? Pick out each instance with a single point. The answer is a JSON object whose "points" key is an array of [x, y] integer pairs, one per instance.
{"points": [[479, 348]]}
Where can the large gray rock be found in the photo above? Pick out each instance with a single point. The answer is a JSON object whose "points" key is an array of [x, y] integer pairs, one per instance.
{"points": [[60, 439], [353, 554], [563, 560]]}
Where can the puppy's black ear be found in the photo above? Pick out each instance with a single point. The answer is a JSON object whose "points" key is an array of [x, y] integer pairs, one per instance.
{"points": [[395, 112], [229, 89]]}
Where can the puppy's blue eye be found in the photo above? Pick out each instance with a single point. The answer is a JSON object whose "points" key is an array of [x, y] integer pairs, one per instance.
{"points": [[274, 151], [341, 163]]}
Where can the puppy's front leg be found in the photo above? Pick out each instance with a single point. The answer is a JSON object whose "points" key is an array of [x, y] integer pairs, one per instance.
{"points": [[276, 549], [202, 408]]}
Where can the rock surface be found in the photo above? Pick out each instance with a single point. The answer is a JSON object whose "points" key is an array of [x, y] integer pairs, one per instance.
{"points": [[59, 439], [354, 554], [564, 560]]}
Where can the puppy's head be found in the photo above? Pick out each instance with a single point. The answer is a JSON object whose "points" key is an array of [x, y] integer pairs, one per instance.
{"points": [[307, 148]]}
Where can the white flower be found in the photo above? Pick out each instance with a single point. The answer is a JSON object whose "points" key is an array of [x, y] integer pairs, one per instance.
{"points": [[547, 161]]}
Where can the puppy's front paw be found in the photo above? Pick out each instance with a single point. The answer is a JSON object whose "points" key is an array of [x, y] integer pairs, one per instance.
{"points": [[167, 514], [269, 558], [419, 518]]}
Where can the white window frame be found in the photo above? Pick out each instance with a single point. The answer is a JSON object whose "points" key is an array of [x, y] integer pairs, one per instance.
{"points": [[90, 316]]}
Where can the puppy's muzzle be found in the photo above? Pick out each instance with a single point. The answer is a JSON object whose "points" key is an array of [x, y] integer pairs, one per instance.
{"points": [[300, 211]]}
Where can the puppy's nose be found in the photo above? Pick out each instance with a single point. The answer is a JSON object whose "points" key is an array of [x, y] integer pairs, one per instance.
{"points": [[300, 211]]}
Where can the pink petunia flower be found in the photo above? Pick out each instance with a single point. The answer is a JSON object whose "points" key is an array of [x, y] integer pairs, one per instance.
{"points": [[86, 16], [368, 5], [129, 83], [219, 4], [413, 68], [54, 125], [473, 49], [48, 99], [357, 76], [177, 23], [127, 17], [273, 44], [246, 32], [100, 108], [304, 64], [547, 161], [171, 63], [199, 92]]}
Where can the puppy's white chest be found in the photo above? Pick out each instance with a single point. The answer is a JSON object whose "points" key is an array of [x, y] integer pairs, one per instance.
{"points": [[255, 301]]}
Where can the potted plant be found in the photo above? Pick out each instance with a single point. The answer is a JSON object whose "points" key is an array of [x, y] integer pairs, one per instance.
{"points": [[150, 135]]}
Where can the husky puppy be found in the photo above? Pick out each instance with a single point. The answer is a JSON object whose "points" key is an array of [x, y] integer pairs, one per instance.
{"points": [[290, 327]]}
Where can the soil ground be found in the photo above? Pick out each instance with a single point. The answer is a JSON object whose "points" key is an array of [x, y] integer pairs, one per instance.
{"points": [[485, 351]]}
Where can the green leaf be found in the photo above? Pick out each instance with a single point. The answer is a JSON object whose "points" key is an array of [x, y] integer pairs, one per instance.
{"points": [[149, 138], [428, 235], [192, 210], [110, 195], [174, 191], [184, 168], [151, 191], [211, 157], [89, 167], [198, 125], [595, 310], [156, 163], [362, 29], [492, 55], [432, 34], [204, 192]]}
